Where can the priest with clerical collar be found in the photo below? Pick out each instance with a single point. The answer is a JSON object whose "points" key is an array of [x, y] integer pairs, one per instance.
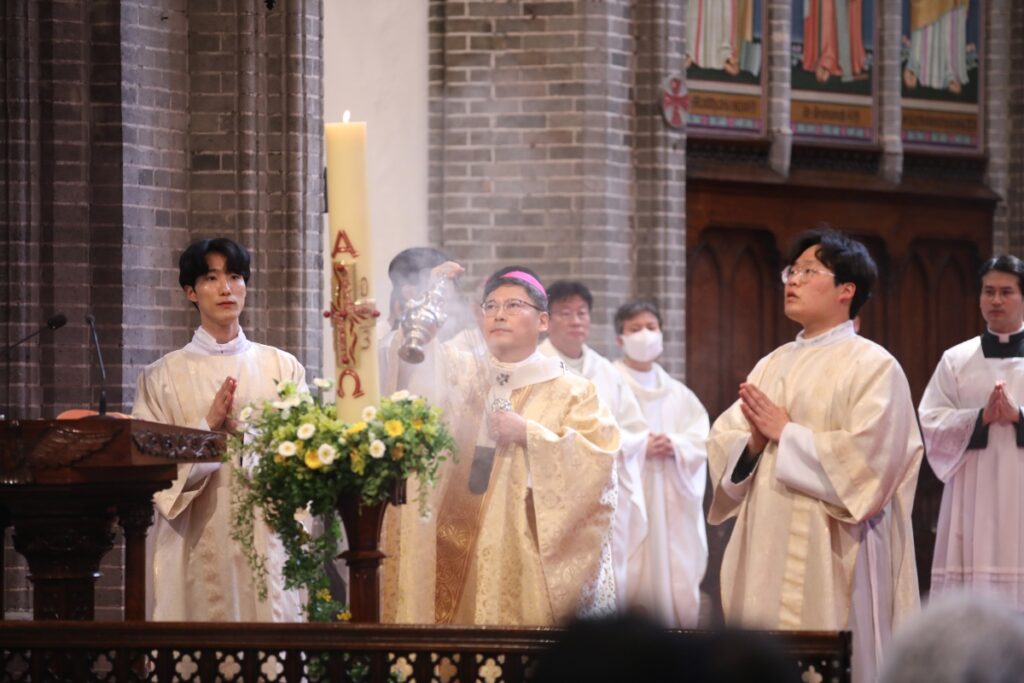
{"points": [[197, 571], [818, 463], [971, 418], [519, 528]]}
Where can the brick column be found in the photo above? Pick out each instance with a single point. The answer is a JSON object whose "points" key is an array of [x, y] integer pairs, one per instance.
{"points": [[997, 116], [660, 189], [547, 146], [1015, 95], [131, 127], [780, 78], [888, 71]]}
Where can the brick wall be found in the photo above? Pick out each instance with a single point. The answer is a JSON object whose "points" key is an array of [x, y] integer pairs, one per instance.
{"points": [[129, 128], [1015, 96], [997, 116], [547, 148], [780, 76]]}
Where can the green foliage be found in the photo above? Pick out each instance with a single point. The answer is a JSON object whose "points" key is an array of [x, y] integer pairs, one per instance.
{"points": [[295, 455]]}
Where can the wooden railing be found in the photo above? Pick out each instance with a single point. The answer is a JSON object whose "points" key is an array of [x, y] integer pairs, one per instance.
{"points": [[165, 652]]}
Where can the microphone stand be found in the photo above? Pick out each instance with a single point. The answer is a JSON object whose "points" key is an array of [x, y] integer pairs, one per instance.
{"points": [[91, 319]]}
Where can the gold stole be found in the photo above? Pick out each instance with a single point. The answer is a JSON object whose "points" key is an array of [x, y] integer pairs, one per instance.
{"points": [[461, 513]]}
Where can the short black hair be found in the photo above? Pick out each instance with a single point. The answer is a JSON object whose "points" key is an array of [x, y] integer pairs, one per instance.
{"points": [[631, 309], [1004, 264], [192, 263], [565, 289], [847, 258], [407, 264], [498, 279]]}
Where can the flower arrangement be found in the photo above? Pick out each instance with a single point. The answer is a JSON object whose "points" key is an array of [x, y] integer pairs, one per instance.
{"points": [[294, 454]]}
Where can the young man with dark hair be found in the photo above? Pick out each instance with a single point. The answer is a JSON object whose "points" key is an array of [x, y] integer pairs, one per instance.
{"points": [[669, 547], [520, 528], [570, 303], [198, 572], [818, 463], [973, 427]]}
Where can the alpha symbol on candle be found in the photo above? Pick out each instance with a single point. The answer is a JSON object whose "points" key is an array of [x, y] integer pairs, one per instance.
{"points": [[343, 245], [357, 387]]}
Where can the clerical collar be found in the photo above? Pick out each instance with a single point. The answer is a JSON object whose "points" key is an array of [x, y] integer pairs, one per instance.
{"points": [[838, 333], [647, 379], [507, 377], [203, 343], [997, 345]]}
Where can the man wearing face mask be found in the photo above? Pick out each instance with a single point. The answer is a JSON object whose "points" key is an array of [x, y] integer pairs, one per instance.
{"points": [[569, 303], [671, 548]]}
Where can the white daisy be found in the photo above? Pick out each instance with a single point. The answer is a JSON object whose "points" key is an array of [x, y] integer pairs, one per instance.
{"points": [[377, 449], [326, 453], [245, 414], [306, 431], [321, 383], [400, 395], [369, 413], [287, 449]]}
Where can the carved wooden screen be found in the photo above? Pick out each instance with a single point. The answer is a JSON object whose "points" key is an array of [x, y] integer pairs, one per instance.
{"points": [[927, 249]]}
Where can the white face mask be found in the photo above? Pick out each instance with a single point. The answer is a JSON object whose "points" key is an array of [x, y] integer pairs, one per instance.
{"points": [[643, 346]]}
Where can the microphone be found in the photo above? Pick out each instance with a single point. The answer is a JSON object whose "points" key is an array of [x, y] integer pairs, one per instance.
{"points": [[91, 319], [54, 322]]}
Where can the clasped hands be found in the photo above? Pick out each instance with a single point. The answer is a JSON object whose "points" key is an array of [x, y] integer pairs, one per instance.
{"points": [[218, 418], [507, 427], [766, 419], [1000, 407]]}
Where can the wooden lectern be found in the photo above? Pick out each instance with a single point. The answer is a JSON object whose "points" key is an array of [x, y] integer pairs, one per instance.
{"points": [[63, 486]]}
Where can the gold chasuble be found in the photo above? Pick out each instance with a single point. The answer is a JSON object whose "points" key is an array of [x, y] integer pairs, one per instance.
{"points": [[823, 538], [513, 536]]}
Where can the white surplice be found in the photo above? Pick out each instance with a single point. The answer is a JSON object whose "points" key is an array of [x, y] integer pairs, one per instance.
{"points": [[671, 552], [823, 538], [197, 571], [980, 537], [630, 515]]}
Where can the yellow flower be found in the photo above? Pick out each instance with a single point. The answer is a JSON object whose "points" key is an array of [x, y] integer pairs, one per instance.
{"points": [[358, 463], [417, 423], [356, 427], [394, 427], [278, 459], [344, 615], [324, 594], [397, 451], [313, 460]]}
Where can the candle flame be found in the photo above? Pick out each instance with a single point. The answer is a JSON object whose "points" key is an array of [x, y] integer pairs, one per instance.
{"points": [[345, 116]]}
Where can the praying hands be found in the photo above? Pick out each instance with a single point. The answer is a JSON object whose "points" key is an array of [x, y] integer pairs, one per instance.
{"points": [[1000, 407], [766, 419]]}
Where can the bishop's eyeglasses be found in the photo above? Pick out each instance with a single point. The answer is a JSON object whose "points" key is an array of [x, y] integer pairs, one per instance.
{"points": [[510, 307]]}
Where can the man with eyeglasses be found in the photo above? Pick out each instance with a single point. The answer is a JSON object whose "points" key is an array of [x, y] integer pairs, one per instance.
{"points": [[973, 426], [520, 525], [568, 329], [818, 462]]}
